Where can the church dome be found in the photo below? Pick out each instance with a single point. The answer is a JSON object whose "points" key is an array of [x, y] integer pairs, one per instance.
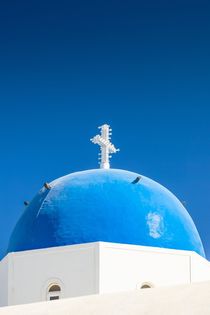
{"points": [[105, 205]]}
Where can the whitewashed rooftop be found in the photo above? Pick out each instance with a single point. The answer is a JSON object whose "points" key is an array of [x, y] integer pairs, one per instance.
{"points": [[178, 300]]}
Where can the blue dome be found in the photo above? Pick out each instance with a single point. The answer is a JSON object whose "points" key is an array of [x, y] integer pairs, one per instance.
{"points": [[105, 205]]}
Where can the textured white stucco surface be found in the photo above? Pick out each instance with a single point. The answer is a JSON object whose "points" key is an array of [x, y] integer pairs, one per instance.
{"points": [[192, 299], [93, 268]]}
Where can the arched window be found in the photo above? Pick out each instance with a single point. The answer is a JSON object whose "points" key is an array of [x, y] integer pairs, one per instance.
{"points": [[145, 286], [54, 292]]}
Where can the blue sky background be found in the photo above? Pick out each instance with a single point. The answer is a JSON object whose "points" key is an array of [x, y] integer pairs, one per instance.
{"points": [[66, 67]]}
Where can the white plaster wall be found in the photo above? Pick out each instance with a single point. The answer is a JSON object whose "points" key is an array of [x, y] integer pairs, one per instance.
{"points": [[4, 282], [126, 267], [95, 268], [75, 268], [190, 299], [200, 268]]}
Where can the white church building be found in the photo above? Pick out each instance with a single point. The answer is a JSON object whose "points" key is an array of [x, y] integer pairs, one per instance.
{"points": [[94, 235]]}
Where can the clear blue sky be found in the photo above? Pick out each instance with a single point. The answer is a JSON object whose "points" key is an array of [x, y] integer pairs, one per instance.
{"points": [[66, 67]]}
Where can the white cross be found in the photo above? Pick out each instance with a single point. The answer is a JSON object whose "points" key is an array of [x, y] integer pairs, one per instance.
{"points": [[107, 148]]}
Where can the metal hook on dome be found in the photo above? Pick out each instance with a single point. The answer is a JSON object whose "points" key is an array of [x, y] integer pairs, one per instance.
{"points": [[136, 180], [47, 186]]}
